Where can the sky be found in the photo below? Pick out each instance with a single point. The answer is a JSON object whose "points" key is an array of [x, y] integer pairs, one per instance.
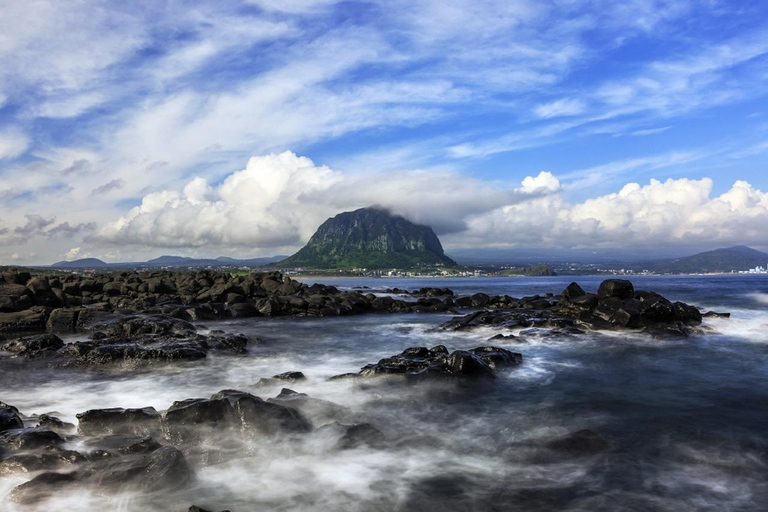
{"points": [[208, 128]]}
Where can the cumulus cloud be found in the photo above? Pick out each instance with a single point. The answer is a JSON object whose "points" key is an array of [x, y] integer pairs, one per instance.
{"points": [[279, 200], [676, 212]]}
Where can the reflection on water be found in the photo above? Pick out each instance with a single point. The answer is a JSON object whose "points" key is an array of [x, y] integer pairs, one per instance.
{"points": [[684, 420]]}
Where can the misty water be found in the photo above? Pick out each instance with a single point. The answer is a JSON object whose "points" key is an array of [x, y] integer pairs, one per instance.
{"points": [[686, 419]]}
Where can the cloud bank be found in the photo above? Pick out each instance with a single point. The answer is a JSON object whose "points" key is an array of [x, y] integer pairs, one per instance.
{"points": [[278, 201]]}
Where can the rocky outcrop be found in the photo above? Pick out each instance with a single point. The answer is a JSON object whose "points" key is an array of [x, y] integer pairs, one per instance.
{"points": [[616, 306], [418, 364], [370, 238]]}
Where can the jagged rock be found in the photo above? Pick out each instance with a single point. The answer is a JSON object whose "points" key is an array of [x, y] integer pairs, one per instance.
{"points": [[9, 418]]}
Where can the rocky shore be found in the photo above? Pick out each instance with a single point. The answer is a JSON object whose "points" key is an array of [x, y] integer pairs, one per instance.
{"points": [[139, 318], [142, 317]]}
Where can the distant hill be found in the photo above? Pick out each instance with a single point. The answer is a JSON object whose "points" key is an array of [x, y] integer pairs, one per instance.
{"points": [[720, 260], [166, 261], [370, 238], [82, 263]]}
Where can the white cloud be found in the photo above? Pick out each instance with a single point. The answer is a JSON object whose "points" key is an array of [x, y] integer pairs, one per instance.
{"points": [[279, 200], [559, 108], [12, 143], [544, 182], [676, 212]]}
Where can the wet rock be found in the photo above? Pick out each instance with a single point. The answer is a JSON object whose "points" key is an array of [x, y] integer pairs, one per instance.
{"points": [[260, 418], [63, 320], [362, 434], [466, 364], [142, 422], [34, 346], [50, 460], [9, 418], [195, 508], [616, 288], [582, 442], [498, 358], [53, 423], [30, 439], [314, 409], [713, 314], [42, 487], [164, 469], [32, 319], [237, 344], [420, 363], [108, 446], [197, 418]]}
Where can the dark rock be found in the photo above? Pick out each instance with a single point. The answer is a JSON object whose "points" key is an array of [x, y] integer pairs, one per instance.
{"points": [[419, 363], [30, 439], [32, 319], [498, 358], [466, 364], [42, 487], [55, 424], [314, 409], [713, 314], [63, 320], [9, 418], [50, 460], [362, 434], [142, 422], [243, 310], [164, 469], [260, 418], [617, 288], [34, 346], [197, 418], [572, 291]]}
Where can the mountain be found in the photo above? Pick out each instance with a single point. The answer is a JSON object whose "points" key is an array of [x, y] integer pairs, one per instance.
{"points": [[720, 260], [370, 238], [83, 263]]}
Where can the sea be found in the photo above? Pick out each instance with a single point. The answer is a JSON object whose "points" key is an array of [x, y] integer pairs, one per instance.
{"points": [[685, 421]]}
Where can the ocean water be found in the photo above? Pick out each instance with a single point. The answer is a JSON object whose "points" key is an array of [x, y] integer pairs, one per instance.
{"points": [[686, 420]]}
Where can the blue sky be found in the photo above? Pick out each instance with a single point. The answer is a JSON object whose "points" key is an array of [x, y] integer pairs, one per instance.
{"points": [[207, 128]]}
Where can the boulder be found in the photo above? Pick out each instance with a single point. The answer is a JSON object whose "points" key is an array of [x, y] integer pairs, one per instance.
{"points": [[617, 288], [142, 422], [198, 418], [9, 418], [30, 439]]}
